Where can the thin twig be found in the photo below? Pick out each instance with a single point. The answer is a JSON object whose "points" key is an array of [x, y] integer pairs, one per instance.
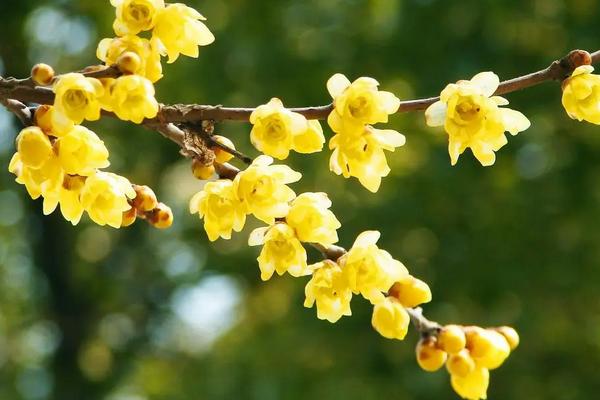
{"points": [[211, 142], [20, 110]]}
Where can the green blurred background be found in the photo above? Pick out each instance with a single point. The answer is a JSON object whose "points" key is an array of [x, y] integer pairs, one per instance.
{"points": [[136, 314]]}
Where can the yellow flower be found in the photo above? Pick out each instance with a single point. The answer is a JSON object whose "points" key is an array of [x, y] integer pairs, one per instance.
{"points": [[41, 181], [473, 118], [109, 51], [77, 98], [488, 348], [105, 198], [277, 130], [390, 319], [370, 270], [312, 220], [263, 189], [357, 104], [222, 211], [134, 16], [581, 95], [282, 251], [68, 196], [329, 290], [180, 30], [411, 292], [81, 152], [363, 156], [34, 147], [472, 386], [132, 98]]}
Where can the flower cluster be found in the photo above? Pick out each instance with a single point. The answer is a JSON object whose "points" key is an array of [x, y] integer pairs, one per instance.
{"points": [[473, 118], [358, 147], [176, 28], [260, 190], [366, 270], [277, 130], [63, 167], [469, 353]]}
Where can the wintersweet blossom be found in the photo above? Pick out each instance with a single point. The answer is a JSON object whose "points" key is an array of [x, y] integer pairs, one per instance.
{"points": [[132, 98], [369, 270], [473, 118], [472, 386], [581, 95], [329, 290], [77, 98], [390, 319], [277, 130], [220, 208], [363, 156], [111, 49], [312, 220], [358, 104], [263, 189], [81, 152], [134, 16], [68, 197], [282, 251], [105, 197], [180, 30]]}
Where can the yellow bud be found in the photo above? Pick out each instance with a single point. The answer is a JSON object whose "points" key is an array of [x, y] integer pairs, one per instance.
{"points": [[411, 292], [162, 217], [221, 156], [489, 348], [452, 339], [129, 217], [511, 336], [43, 118], [460, 364], [429, 357], [34, 147], [129, 62], [202, 172], [42, 74], [472, 386], [145, 199]]}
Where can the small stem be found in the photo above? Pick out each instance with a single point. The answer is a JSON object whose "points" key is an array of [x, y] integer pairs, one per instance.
{"points": [[422, 324]]}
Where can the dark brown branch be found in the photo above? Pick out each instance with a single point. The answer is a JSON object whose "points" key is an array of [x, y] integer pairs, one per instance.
{"points": [[20, 110], [22, 90]]}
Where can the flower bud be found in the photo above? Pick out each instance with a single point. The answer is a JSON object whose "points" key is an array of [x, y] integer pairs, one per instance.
{"points": [[460, 364], [145, 199], [452, 339], [411, 292], [42, 74], [489, 348], [129, 63], [129, 217], [43, 118], [429, 357], [222, 156], [161, 217], [511, 336], [202, 172]]}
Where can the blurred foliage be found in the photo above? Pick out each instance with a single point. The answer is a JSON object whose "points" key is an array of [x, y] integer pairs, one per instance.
{"points": [[94, 313]]}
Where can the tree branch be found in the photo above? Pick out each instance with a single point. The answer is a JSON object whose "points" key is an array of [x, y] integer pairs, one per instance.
{"points": [[24, 91]]}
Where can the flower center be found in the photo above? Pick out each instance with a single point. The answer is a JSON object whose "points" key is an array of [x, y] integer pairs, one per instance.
{"points": [[139, 13], [359, 107], [76, 98], [275, 130]]}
